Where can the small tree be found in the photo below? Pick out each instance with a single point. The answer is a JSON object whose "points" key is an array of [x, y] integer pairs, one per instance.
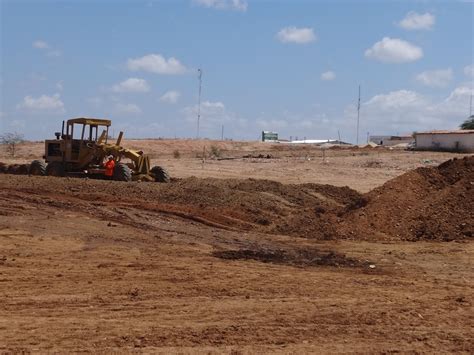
{"points": [[468, 124], [215, 151], [11, 140]]}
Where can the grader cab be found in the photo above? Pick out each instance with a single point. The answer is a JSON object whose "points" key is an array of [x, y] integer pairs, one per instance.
{"points": [[80, 150]]}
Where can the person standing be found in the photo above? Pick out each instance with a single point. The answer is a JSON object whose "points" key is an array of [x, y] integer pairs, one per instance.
{"points": [[109, 168]]}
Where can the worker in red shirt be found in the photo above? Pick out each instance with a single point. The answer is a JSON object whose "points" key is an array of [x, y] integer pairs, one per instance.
{"points": [[109, 167]]}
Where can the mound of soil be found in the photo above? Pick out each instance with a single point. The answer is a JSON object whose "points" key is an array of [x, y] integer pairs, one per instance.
{"points": [[424, 204], [17, 169], [267, 206], [305, 210], [434, 203]]}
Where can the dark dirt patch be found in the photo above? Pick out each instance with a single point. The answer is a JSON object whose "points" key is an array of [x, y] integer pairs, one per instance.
{"points": [[303, 257]]}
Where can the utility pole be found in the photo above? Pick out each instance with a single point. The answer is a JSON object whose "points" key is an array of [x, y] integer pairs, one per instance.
{"points": [[339, 135], [222, 133], [358, 114], [199, 100]]}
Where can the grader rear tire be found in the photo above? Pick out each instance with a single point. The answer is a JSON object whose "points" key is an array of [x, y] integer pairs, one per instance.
{"points": [[161, 175], [37, 167], [55, 168], [122, 173]]}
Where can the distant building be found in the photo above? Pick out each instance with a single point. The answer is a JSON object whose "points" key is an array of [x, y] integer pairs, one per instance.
{"points": [[268, 136], [459, 140], [389, 141]]}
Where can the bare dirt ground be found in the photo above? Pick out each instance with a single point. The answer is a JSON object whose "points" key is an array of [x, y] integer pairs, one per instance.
{"points": [[360, 169], [220, 263]]}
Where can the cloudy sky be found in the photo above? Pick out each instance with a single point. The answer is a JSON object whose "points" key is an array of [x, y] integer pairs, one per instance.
{"points": [[288, 66]]}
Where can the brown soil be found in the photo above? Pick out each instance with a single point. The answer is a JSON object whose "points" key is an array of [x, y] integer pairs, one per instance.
{"points": [[360, 169], [249, 205], [428, 203], [425, 204], [240, 265]]}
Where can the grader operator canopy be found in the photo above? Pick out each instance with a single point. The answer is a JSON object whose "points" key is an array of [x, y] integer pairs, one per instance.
{"points": [[88, 129]]}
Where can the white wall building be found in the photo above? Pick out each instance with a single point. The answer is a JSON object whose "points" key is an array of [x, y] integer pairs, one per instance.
{"points": [[390, 140], [462, 140]]}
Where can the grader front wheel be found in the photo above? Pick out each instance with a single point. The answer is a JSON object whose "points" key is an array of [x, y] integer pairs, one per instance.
{"points": [[161, 175], [122, 173]]}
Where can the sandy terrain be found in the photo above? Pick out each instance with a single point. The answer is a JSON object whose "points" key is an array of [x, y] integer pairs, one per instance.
{"points": [[360, 169], [221, 263]]}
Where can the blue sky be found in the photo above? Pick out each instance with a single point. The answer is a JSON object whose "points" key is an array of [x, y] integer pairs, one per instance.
{"points": [[288, 66]]}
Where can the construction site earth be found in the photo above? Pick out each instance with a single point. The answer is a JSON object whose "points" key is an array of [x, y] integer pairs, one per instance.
{"points": [[251, 248]]}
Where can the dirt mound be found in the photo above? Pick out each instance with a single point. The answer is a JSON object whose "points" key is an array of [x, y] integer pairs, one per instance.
{"points": [[434, 203], [261, 205], [17, 169], [305, 210], [253, 205], [427, 203]]}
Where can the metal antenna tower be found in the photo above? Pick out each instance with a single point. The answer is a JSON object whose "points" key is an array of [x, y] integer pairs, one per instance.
{"points": [[358, 114], [199, 100]]}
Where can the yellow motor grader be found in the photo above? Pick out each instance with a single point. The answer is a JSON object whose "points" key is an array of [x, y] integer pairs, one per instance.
{"points": [[79, 150]]}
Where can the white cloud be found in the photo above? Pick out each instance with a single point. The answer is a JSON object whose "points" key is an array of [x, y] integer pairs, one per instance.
{"points": [[156, 63], [214, 114], [299, 125], [237, 5], [127, 109], [40, 44], [435, 78], [217, 106], [328, 75], [394, 50], [469, 70], [405, 111], [170, 97], [44, 46], [207, 107], [43, 103], [415, 21], [395, 100], [54, 53], [59, 85], [132, 85], [296, 35]]}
